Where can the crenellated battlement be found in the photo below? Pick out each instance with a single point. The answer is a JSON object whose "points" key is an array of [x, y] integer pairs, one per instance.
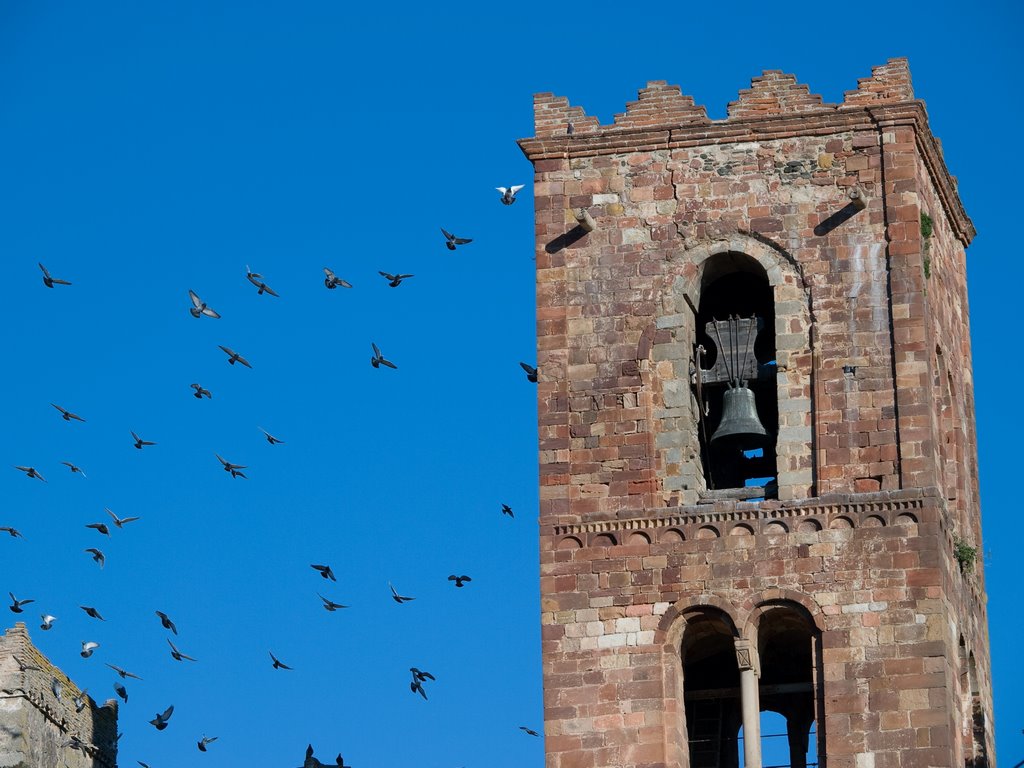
{"points": [[773, 94]]}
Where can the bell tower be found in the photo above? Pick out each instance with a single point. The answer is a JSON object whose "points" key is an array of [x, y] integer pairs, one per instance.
{"points": [[759, 489]]}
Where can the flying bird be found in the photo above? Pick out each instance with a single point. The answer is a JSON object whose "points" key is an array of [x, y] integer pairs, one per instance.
{"points": [[159, 720], [97, 555], [234, 469], [66, 414], [15, 533], [47, 621], [395, 280], [234, 357], [418, 678], [120, 522], [24, 666], [378, 359], [506, 510], [508, 194], [531, 372], [200, 393], [397, 597], [332, 281], [528, 731], [139, 442], [204, 741], [101, 527], [330, 605], [88, 647], [199, 307], [451, 240], [166, 622], [121, 691], [278, 664], [73, 468], [257, 279], [459, 580], [16, 603], [178, 655], [91, 612], [325, 571], [80, 700], [31, 472], [48, 281], [270, 438], [124, 673]]}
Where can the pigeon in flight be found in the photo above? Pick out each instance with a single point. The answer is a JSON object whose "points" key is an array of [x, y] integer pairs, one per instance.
{"points": [[56, 687], [332, 281], [166, 622], [101, 527], [91, 612], [25, 667], [124, 673], [120, 522], [508, 194], [97, 555], [31, 472], [459, 580], [66, 414], [178, 655], [47, 621], [257, 279], [330, 605], [204, 741], [418, 678], [48, 281], [451, 240], [234, 357], [528, 731], [270, 438], [80, 700], [88, 647], [395, 280], [200, 393], [397, 597], [144, 765], [15, 533], [325, 571], [159, 721], [16, 603], [121, 691], [278, 664], [73, 468], [531, 372], [378, 359], [139, 442], [234, 469], [199, 306], [506, 510]]}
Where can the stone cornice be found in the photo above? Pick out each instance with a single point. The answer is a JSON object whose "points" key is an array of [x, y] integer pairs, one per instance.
{"points": [[614, 139]]}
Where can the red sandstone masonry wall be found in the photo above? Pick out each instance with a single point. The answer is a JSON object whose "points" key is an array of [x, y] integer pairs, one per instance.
{"points": [[609, 615], [859, 535]]}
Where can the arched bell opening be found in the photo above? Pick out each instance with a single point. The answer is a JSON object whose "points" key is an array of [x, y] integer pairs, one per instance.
{"points": [[736, 380], [789, 651], [710, 690]]}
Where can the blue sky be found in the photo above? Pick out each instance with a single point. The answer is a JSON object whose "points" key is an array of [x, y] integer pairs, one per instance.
{"points": [[151, 148]]}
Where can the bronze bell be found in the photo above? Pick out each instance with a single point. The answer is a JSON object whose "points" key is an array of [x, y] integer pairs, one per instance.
{"points": [[739, 415]]}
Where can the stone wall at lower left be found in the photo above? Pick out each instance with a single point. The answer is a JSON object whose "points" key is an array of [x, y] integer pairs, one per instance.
{"points": [[38, 729]]}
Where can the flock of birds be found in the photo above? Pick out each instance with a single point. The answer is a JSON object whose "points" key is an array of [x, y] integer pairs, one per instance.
{"points": [[200, 309]]}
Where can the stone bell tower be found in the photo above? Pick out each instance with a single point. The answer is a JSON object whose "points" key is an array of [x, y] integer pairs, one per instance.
{"points": [[759, 488]]}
